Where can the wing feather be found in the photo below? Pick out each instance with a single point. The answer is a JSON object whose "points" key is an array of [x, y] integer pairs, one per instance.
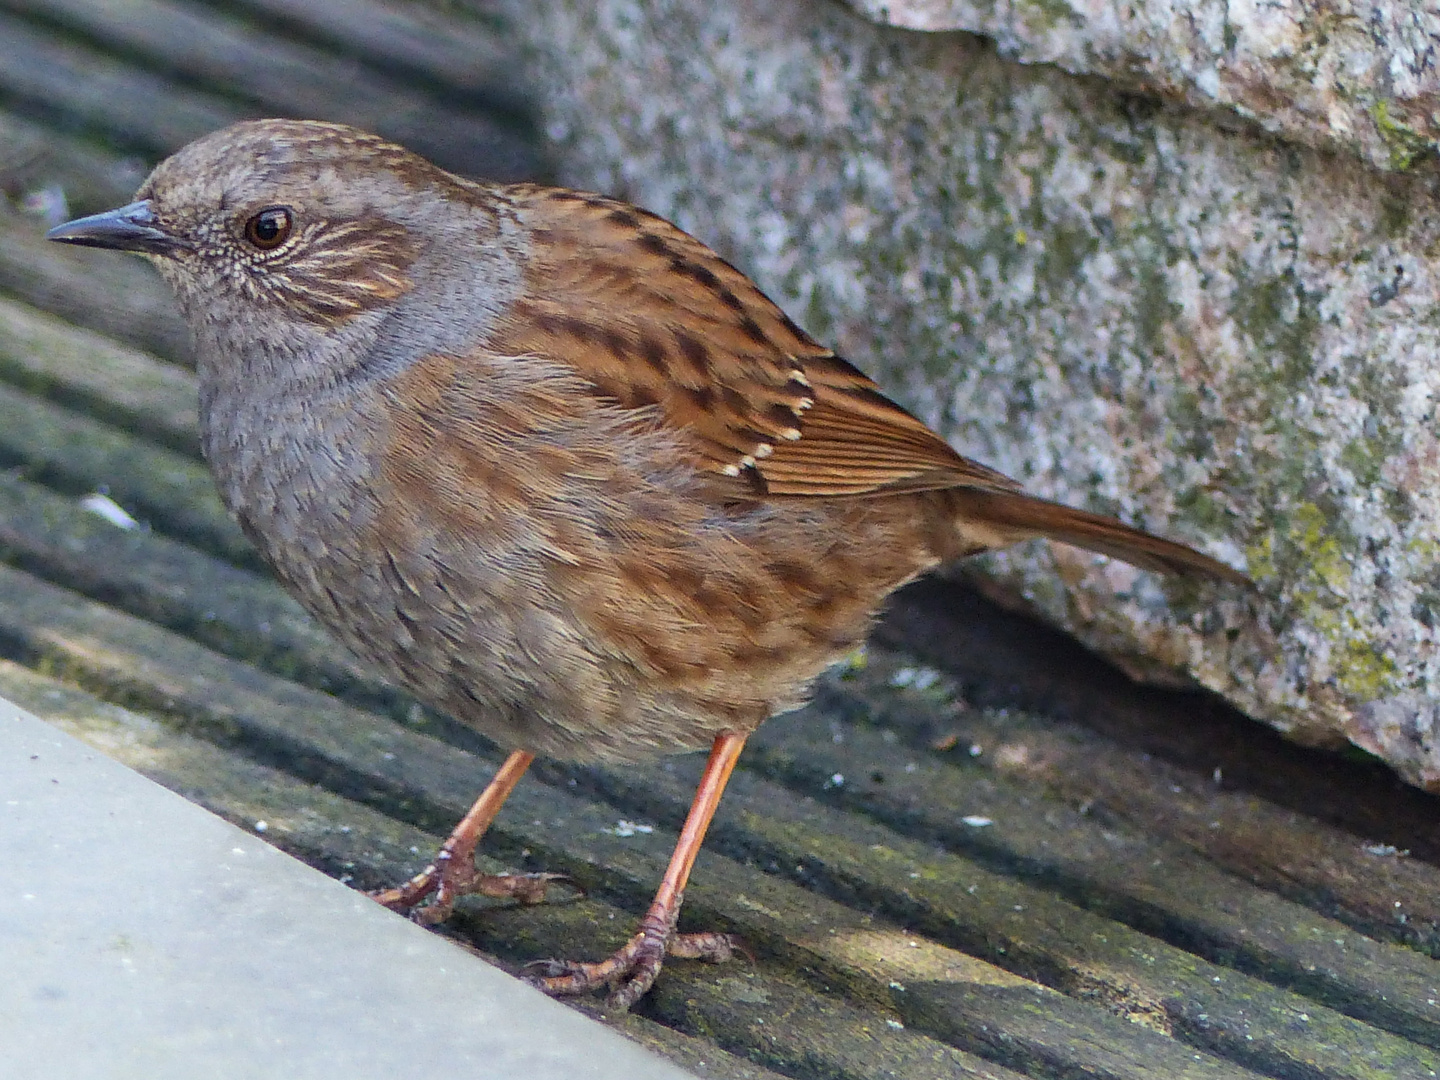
{"points": [[652, 318]]}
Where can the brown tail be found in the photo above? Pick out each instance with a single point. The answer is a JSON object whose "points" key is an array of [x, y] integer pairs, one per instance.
{"points": [[1028, 516]]}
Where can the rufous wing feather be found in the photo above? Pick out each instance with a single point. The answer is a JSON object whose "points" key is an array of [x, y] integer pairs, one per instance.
{"points": [[678, 329], [653, 319]]}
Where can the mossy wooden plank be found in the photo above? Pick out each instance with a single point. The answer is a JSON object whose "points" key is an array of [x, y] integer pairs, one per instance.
{"points": [[765, 1012], [835, 1039], [119, 296], [704, 1057], [270, 74], [1149, 757], [1028, 930], [1109, 867], [87, 371], [1036, 934], [90, 176], [239, 612], [1375, 889], [131, 661], [171, 491], [467, 54], [1031, 933], [358, 753], [139, 110]]}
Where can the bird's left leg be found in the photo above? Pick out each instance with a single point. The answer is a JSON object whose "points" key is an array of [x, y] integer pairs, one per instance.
{"points": [[452, 874], [631, 971]]}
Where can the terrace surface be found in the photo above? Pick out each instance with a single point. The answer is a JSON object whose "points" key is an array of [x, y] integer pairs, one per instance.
{"points": [[980, 852]]}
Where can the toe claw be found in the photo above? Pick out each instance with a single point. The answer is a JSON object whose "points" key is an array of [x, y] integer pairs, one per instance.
{"points": [[710, 947], [444, 884], [524, 888], [536, 972], [403, 898], [632, 990], [631, 971]]}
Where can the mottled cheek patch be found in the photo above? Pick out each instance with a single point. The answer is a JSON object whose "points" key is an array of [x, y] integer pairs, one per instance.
{"points": [[338, 272]]}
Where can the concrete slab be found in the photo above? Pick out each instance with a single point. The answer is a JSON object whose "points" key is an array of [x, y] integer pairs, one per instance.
{"points": [[145, 937]]}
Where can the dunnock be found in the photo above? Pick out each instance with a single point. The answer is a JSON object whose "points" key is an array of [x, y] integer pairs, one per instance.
{"points": [[550, 464]]}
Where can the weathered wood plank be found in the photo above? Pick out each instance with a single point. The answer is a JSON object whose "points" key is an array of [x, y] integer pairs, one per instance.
{"points": [[461, 54], [91, 176], [267, 74], [134, 109], [119, 297], [1026, 930], [236, 611], [1109, 866], [85, 371], [709, 1062], [80, 455], [1283, 818], [834, 1037]]}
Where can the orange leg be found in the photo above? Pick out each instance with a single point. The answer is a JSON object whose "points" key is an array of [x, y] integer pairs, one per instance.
{"points": [[453, 874], [632, 970]]}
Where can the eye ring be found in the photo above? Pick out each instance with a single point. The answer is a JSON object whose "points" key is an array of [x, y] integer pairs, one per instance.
{"points": [[270, 228]]}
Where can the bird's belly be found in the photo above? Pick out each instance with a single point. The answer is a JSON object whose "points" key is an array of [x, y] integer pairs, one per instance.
{"points": [[615, 658], [624, 651], [555, 628]]}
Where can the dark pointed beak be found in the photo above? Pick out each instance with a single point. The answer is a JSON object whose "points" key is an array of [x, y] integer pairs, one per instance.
{"points": [[130, 228]]}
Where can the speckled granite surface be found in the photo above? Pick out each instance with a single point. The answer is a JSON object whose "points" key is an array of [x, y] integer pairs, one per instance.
{"points": [[1158, 311], [1332, 74]]}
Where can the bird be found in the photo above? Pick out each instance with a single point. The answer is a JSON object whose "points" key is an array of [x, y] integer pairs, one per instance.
{"points": [[551, 465]]}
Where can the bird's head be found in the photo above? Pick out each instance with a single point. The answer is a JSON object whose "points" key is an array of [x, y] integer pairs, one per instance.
{"points": [[277, 234]]}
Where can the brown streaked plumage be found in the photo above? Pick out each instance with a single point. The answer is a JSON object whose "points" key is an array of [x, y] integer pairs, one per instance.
{"points": [[550, 464]]}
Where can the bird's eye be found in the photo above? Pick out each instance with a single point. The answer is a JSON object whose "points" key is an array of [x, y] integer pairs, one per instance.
{"points": [[268, 229]]}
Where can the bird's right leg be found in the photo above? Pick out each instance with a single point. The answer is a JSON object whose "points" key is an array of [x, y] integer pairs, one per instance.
{"points": [[452, 874]]}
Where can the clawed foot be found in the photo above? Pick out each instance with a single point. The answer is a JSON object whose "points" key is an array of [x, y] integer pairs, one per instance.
{"points": [[453, 874], [447, 879], [631, 971]]}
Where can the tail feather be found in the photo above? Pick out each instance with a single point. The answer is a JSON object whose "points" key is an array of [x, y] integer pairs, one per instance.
{"points": [[1025, 516]]}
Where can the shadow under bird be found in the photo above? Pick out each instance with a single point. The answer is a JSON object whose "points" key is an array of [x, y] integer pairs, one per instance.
{"points": [[551, 465]]}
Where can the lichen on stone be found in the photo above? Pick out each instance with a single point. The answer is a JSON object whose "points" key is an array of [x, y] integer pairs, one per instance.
{"points": [[1406, 145]]}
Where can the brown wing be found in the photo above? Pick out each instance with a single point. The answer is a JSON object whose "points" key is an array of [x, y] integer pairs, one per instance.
{"points": [[654, 318]]}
